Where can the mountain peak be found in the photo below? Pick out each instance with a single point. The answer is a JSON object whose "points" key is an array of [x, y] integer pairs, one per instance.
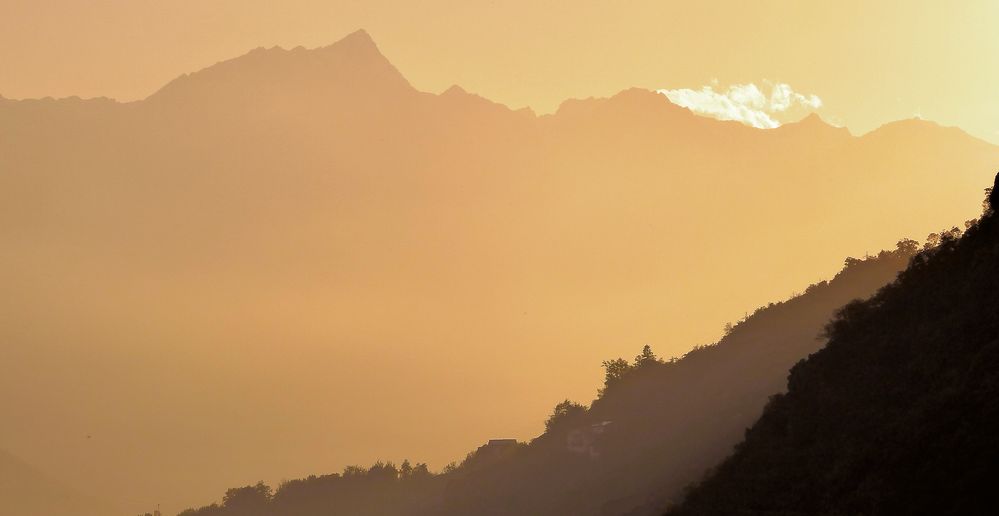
{"points": [[812, 118], [361, 36], [358, 41], [353, 63], [813, 125], [920, 129], [454, 90]]}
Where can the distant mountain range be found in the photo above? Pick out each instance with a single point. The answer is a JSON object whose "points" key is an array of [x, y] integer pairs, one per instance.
{"points": [[228, 260]]}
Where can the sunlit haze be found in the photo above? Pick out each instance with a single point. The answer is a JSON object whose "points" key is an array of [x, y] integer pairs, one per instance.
{"points": [[286, 243]]}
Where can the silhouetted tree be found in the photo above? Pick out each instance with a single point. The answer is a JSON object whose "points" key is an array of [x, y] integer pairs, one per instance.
{"points": [[565, 412], [907, 246], [665, 421], [614, 370], [247, 501], [897, 414], [646, 357]]}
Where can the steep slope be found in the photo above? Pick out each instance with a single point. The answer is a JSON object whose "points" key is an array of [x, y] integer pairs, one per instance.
{"points": [[660, 423], [26, 492], [896, 415], [273, 231]]}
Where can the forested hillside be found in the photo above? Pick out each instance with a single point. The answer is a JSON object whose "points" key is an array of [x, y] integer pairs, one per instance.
{"points": [[898, 414], [655, 423]]}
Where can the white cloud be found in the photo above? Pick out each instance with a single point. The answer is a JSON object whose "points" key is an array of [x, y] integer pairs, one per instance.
{"points": [[745, 103]]}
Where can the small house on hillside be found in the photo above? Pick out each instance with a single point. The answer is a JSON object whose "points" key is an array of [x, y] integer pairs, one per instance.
{"points": [[583, 440]]}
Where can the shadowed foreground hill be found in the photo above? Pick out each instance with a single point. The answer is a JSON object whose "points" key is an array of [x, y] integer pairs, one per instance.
{"points": [[662, 422], [898, 414], [655, 423]]}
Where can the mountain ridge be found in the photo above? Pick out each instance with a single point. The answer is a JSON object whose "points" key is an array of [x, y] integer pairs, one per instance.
{"points": [[350, 63], [360, 50]]}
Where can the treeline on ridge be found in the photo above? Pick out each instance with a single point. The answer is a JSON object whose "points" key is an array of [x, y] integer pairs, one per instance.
{"points": [[898, 414], [655, 426]]}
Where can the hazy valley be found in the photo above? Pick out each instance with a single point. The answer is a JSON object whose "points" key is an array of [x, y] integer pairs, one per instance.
{"points": [[294, 261]]}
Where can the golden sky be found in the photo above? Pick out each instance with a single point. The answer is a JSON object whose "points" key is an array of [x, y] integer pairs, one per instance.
{"points": [[870, 62]]}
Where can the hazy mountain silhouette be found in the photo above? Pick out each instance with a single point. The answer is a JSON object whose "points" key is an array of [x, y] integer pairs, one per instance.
{"points": [[897, 414], [271, 80], [24, 491], [656, 423], [668, 420], [232, 260]]}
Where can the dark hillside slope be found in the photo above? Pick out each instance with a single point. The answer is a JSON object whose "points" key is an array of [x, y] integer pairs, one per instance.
{"points": [[898, 414], [669, 421]]}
